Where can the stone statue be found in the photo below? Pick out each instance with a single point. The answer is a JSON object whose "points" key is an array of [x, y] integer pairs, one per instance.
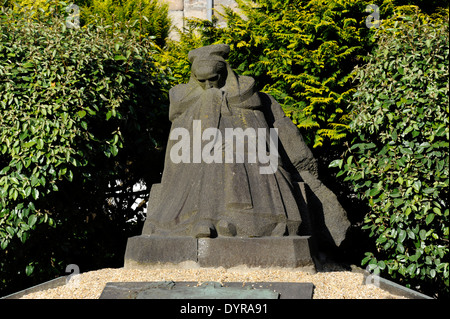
{"points": [[235, 165]]}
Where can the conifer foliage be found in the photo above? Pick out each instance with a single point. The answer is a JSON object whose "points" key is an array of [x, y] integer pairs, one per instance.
{"points": [[148, 17], [301, 52]]}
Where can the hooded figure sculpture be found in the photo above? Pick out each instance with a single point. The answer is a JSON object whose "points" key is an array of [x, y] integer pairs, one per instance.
{"points": [[214, 183]]}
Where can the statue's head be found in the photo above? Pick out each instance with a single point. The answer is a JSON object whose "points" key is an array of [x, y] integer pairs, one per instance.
{"points": [[209, 67]]}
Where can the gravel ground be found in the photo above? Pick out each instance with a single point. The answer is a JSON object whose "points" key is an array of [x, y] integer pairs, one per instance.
{"points": [[328, 284]]}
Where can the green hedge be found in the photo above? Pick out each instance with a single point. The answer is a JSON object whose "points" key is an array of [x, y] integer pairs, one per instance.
{"points": [[70, 101], [399, 161]]}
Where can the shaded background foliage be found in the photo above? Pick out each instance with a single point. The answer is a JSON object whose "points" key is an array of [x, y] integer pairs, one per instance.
{"points": [[302, 52]]}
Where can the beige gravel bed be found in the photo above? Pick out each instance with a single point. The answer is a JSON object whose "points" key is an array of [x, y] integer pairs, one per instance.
{"points": [[328, 285]]}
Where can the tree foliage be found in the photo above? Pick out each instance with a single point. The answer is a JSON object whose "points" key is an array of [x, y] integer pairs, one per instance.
{"points": [[399, 161], [301, 52], [148, 17], [81, 110]]}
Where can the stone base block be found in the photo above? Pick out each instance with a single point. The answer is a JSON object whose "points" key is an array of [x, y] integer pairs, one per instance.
{"points": [[154, 250], [227, 252]]}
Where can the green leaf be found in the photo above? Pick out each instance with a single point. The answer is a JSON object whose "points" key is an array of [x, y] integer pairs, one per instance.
{"points": [[401, 235], [429, 190], [34, 180], [69, 176], [423, 234], [4, 170], [398, 202], [32, 220], [28, 191], [35, 193], [432, 273], [411, 269], [81, 113], [395, 193], [429, 218], [10, 230], [416, 185], [15, 194], [336, 163], [416, 256], [366, 259], [374, 192], [4, 243], [437, 211], [29, 144], [349, 160], [381, 264], [40, 144], [29, 270], [114, 150]]}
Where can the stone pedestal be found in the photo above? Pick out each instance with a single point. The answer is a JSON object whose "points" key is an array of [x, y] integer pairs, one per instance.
{"points": [[290, 251]]}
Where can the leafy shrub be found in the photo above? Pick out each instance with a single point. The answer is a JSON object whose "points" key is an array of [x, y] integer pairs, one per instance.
{"points": [[148, 17], [399, 161], [80, 107]]}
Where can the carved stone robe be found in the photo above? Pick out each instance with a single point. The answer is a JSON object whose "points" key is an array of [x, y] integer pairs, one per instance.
{"points": [[237, 195]]}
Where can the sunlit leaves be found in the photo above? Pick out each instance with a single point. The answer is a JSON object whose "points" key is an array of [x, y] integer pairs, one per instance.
{"points": [[399, 160], [300, 52], [66, 98]]}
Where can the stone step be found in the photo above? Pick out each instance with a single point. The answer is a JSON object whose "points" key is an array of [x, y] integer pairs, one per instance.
{"points": [[227, 252]]}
